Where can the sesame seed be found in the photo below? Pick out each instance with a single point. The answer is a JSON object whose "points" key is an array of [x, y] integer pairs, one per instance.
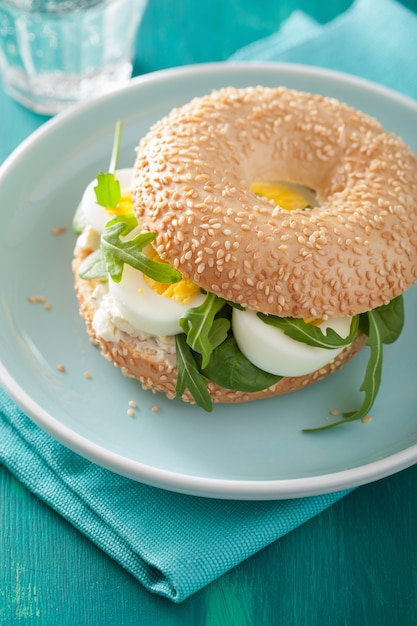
{"points": [[36, 299], [365, 218], [59, 231]]}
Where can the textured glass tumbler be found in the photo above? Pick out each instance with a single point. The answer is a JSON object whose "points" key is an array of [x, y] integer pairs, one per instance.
{"points": [[57, 52]]}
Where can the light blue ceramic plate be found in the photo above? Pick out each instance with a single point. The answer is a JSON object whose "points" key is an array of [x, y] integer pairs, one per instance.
{"points": [[249, 451]]}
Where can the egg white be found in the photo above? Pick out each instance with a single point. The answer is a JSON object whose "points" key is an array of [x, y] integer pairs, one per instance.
{"points": [[145, 309], [271, 350], [94, 214], [265, 346]]}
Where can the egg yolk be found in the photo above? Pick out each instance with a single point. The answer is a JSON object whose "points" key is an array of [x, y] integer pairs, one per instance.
{"points": [[313, 321], [288, 198], [184, 290], [285, 196], [123, 207]]}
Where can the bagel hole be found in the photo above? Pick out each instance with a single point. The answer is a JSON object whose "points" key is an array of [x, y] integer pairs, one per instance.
{"points": [[285, 194]]}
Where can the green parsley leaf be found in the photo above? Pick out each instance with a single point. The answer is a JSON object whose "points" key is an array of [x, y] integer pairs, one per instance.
{"points": [[118, 250], [107, 190], [204, 333], [229, 368], [189, 377], [299, 330]]}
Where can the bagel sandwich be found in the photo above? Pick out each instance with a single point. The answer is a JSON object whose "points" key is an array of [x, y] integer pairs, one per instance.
{"points": [[262, 238]]}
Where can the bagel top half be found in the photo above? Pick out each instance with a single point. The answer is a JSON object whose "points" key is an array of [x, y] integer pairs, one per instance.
{"points": [[355, 250]]}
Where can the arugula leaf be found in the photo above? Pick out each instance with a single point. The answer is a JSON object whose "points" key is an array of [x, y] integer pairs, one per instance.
{"points": [[204, 333], [189, 377], [93, 266], [117, 250], [107, 190], [372, 379], [390, 319], [229, 368], [299, 330], [212, 352], [383, 325]]}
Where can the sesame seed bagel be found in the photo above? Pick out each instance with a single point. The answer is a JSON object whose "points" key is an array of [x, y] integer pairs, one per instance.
{"points": [[354, 251], [157, 371]]}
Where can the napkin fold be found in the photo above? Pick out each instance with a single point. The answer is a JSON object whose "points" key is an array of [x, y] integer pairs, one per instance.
{"points": [[175, 544], [374, 39]]}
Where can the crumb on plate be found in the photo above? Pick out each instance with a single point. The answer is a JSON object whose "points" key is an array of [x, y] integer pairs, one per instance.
{"points": [[60, 230]]}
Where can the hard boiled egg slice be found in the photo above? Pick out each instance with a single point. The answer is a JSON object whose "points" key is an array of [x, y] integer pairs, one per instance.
{"points": [[273, 351], [149, 311], [98, 216]]}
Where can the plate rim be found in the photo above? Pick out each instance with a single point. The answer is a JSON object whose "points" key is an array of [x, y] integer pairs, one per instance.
{"points": [[271, 489], [217, 66]]}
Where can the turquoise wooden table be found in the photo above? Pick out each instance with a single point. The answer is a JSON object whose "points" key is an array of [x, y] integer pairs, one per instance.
{"points": [[354, 564]]}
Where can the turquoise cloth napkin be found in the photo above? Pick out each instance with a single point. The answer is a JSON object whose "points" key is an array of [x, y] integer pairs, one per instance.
{"points": [[374, 39], [175, 544]]}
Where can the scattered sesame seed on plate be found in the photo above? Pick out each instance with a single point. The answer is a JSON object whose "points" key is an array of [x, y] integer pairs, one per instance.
{"points": [[60, 230], [36, 299]]}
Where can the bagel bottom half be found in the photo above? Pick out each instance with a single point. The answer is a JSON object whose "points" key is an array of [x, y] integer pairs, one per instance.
{"points": [[137, 359]]}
